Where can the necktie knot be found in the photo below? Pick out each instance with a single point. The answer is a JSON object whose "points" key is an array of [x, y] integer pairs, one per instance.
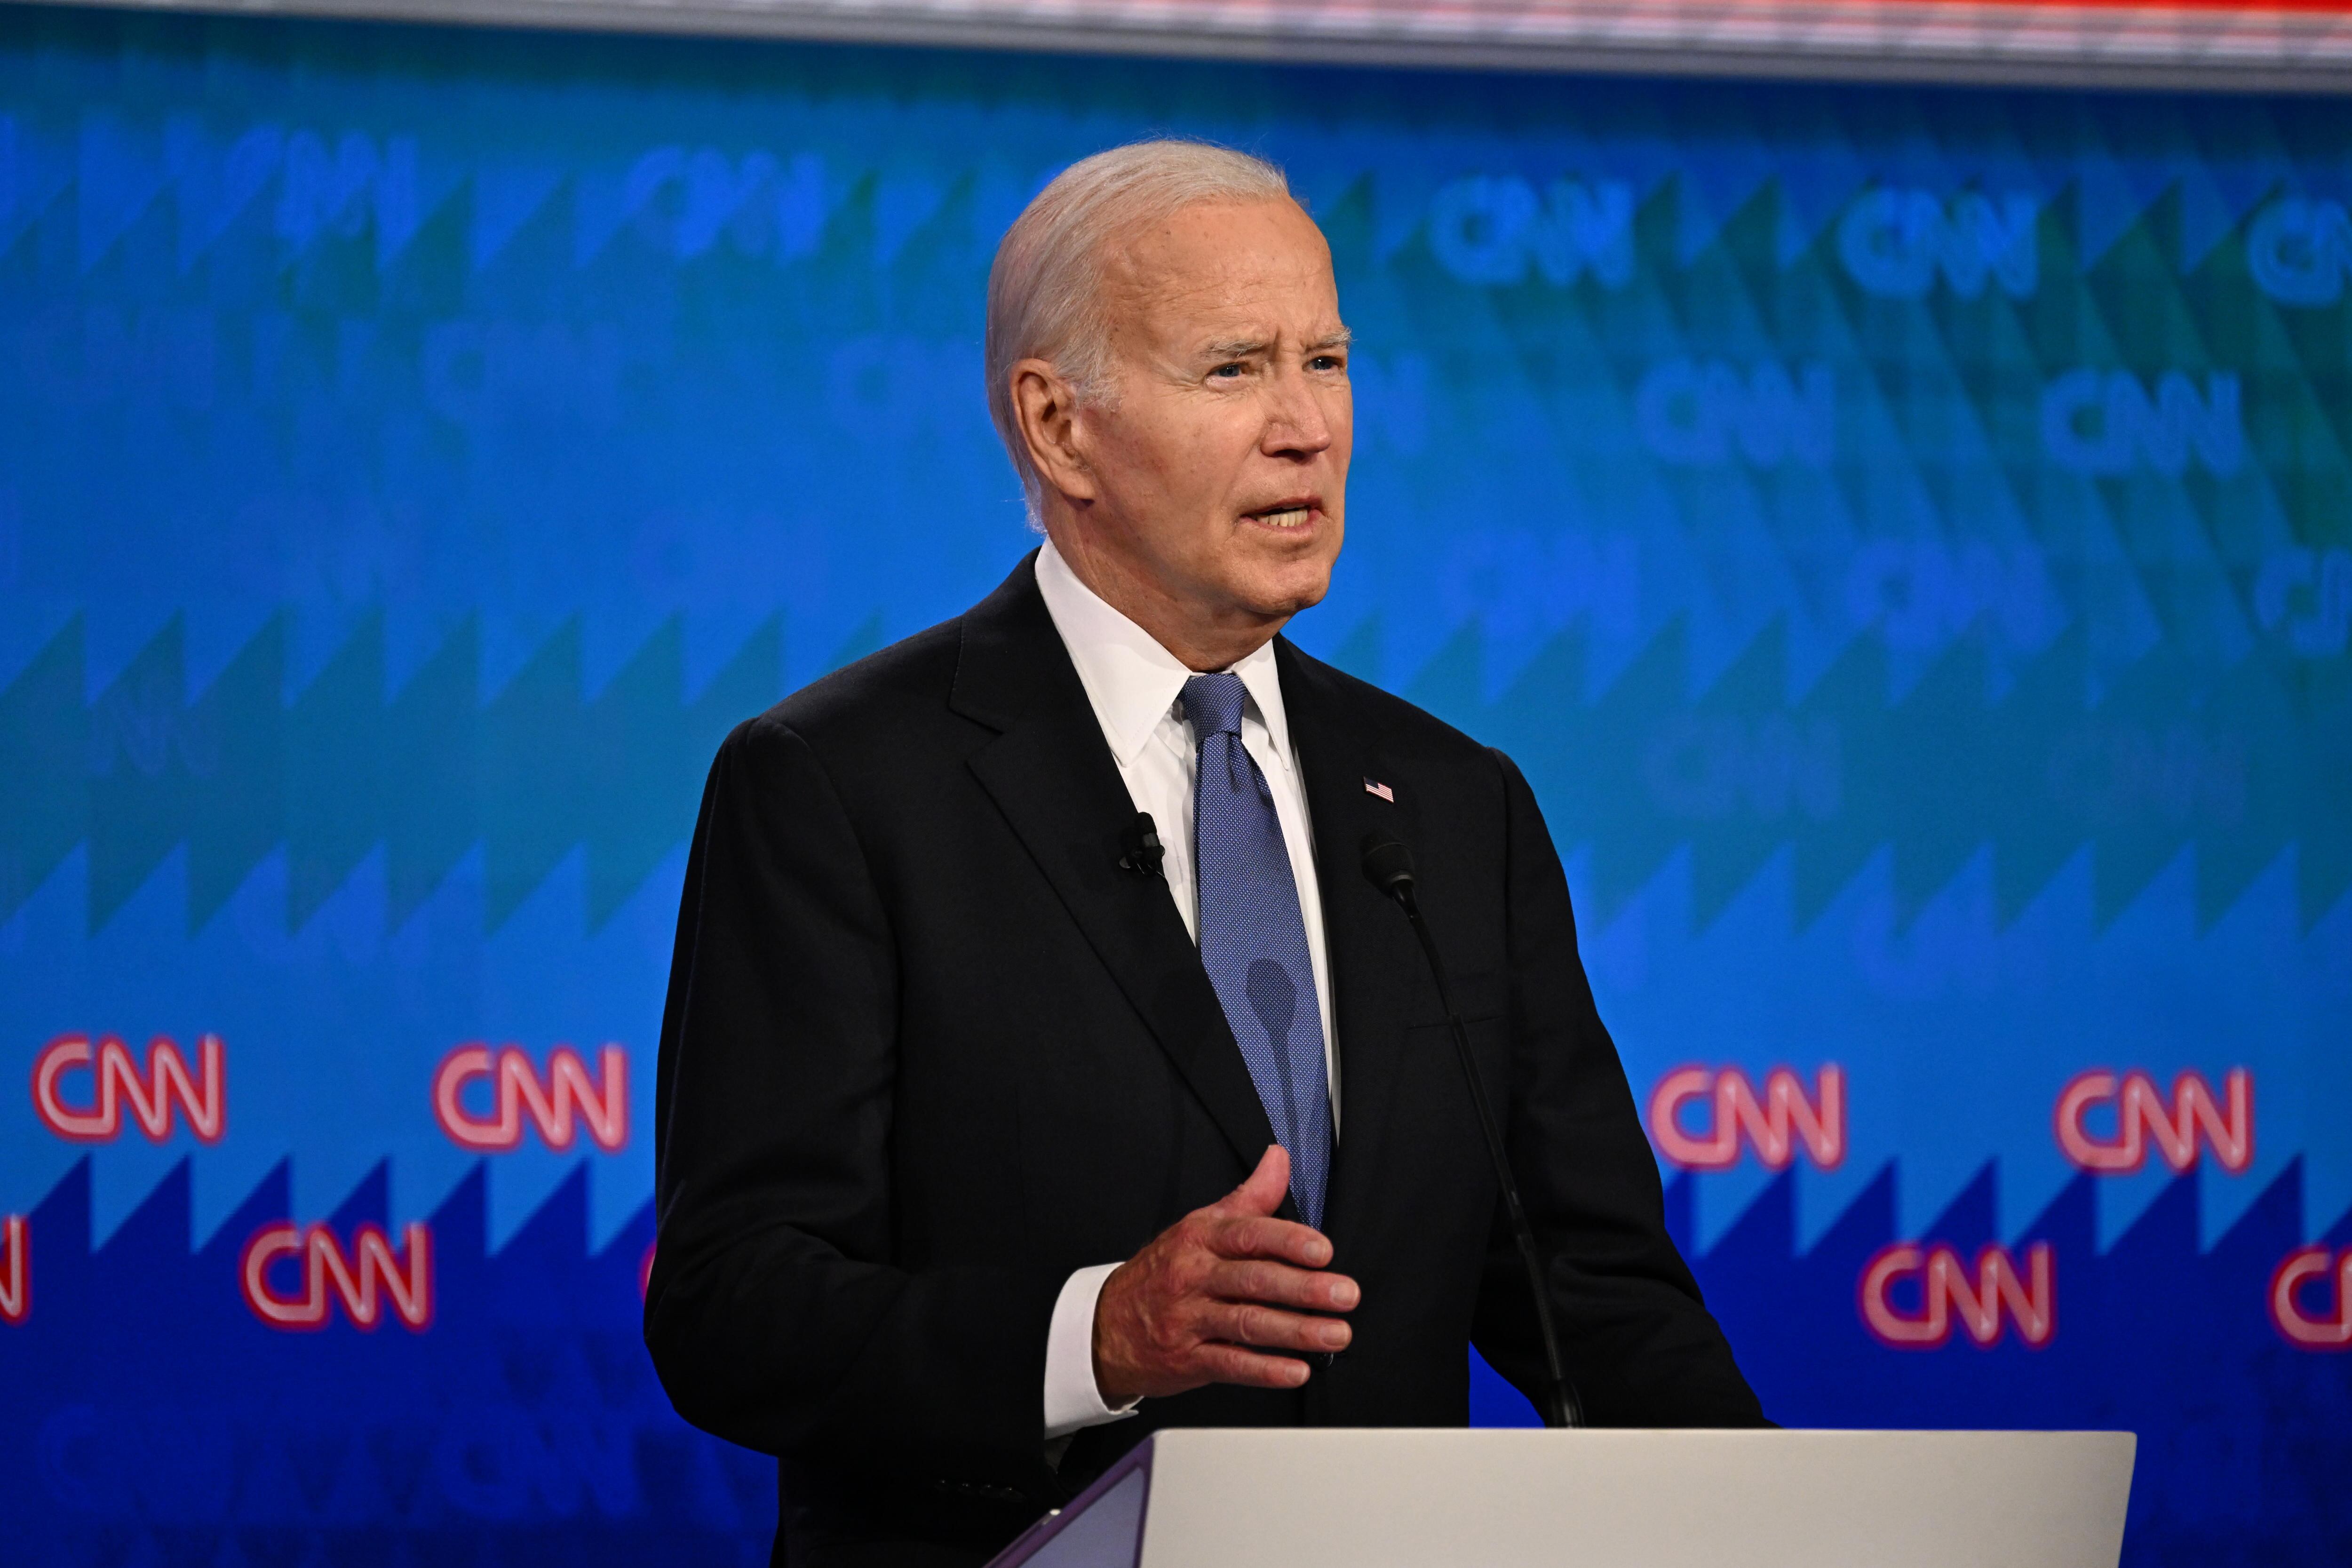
{"points": [[1214, 704]]}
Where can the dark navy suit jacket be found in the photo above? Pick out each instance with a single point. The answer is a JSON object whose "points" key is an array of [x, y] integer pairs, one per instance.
{"points": [[928, 1049]]}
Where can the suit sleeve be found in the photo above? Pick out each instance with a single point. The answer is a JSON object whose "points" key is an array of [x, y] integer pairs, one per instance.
{"points": [[1635, 1337], [776, 1315]]}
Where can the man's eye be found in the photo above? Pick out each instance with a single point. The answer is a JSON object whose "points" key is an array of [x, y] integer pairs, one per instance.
{"points": [[1327, 362], [1228, 370]]}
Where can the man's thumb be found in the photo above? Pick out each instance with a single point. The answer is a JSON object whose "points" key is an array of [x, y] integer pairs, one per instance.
{"points": [[1262, 1193]]}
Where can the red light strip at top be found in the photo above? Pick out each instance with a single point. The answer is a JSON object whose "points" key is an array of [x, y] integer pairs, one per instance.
{"points": [[2283, 46]]}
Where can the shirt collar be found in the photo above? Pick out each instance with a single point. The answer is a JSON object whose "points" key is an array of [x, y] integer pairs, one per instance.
{"points": [[1130, 680], [1262, 679]]}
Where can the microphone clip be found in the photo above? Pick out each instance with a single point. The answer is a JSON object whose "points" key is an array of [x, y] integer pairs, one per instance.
{"points": [[1141, 849]]}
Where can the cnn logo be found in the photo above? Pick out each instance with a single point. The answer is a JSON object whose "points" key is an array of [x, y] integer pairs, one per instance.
{"points": [[556, 1103], [116, 1079], [16, 1270], [2292, 1288], [1983, 1301], [1773, 1123], [365, 1277], [2193, 1116]]}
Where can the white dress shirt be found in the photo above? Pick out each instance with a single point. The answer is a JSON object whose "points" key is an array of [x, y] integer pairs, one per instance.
{"points": [[1133, 684]]}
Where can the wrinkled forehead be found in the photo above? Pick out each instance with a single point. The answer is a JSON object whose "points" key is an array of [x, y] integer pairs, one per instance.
{"points": [[1212, 267]]}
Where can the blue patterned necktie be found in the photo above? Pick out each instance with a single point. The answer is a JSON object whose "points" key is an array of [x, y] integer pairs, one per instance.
{"points": [[1253, 940]]}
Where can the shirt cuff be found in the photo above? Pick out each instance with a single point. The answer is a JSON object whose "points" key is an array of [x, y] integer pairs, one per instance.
{"points": [[1071, 1400]]}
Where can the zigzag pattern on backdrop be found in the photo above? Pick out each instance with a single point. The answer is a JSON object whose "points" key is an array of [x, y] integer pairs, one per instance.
{"points": [[306, 181], [1731, 245], [563, 1444], [2145, 1330], [2241, 767], [527, 1411], [426, 771], [1893, 711]]}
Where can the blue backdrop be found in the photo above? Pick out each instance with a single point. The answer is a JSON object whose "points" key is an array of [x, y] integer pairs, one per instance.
{"points": [[1905, 535]]}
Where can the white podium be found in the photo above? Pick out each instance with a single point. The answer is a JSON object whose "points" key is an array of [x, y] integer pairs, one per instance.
{"points": [[1373, 1498]]}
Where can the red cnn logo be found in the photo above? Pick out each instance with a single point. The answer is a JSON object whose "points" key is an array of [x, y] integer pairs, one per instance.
{"points": [[516, 1087], [1766, 1123], [2300, 1327], [324, 1264], [118, 1078], [1947, 1292], [2141, 1115], [16, 1270]]}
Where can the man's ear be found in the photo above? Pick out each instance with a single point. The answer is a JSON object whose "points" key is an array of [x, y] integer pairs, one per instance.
{"points": [[1045, 407]]}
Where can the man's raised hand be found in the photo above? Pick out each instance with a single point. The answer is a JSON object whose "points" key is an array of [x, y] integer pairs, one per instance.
{"points": [[1211, 1294]]}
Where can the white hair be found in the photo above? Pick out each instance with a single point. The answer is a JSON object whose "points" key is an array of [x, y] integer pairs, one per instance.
{"points": [[1044, 290]]}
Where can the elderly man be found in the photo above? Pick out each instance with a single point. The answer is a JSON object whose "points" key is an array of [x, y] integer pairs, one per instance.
{"points": [[995, 1129]]}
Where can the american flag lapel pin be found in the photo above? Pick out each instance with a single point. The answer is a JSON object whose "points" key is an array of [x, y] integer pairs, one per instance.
{"points": [[1374, 787]]}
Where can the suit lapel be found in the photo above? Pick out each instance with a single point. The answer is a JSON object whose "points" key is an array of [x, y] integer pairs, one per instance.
{"points": [[1051, 773], [1369, 946]]}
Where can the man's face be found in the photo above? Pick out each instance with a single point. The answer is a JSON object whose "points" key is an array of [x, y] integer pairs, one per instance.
{"points": [[1220, 465]]}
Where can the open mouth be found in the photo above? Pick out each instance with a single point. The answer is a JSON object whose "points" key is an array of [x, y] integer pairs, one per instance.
{"points": [[1289, 514]]}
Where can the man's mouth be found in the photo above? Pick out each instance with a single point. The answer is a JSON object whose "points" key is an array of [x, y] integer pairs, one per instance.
{"points": [[1286, 514]]}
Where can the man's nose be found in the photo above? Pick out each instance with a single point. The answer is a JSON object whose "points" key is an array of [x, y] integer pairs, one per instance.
{"points": [[1294, 422]]}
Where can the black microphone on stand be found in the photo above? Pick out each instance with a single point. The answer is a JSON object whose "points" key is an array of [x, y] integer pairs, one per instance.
{"points": [[1388, 866]]}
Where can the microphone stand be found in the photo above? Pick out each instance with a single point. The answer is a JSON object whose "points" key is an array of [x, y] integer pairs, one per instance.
{"points": [[1388, 866]]}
